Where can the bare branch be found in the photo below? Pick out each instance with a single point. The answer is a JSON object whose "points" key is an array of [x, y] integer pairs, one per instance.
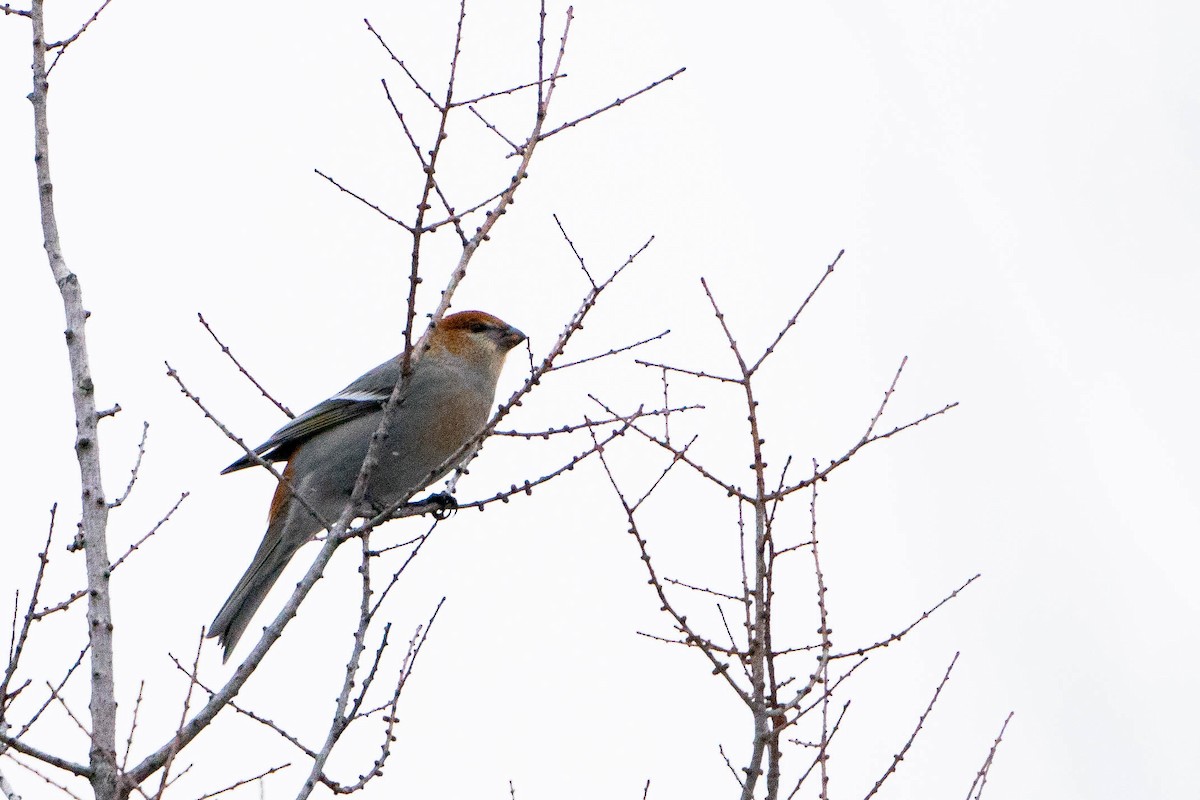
{"points": [[162, 521], [913, 736], [503, 92], [245, 781], [173, 375], [403, 66], [868, 438], [982, 776], [172, 752], [680, 454], [731, 652], [94, 522], [611, 352], [515, 147], [414, 648], [366, 203], [44, 757], [620, 101], [528, 486], [225, 349], [29, 723], [483, 232], [705, 590], [830, 690], [741, 783], [895, 637], [155, 761], [343, 714], [245, 711], [34, 771], [16, 645], [67, 603], [571, 244], [428, 168], [822, 749], [61, 47], [693, 373], [595, 423], [137, 464], [419, 542], [791, 322], [58, 698], [719, 667], [137, 707], [6, 789], [541, 71]]}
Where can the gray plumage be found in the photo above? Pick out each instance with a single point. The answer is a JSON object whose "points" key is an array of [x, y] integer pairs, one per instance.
{"points": [[446, 402]]}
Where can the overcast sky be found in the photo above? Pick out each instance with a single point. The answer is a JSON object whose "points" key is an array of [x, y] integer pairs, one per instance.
{"points": [[1016, 188]]}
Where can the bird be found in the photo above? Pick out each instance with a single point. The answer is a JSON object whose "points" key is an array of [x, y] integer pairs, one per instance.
{"points": [[445, 403]]}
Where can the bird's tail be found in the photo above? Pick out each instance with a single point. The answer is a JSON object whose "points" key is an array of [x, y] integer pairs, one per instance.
{"points": [[273, 555]]}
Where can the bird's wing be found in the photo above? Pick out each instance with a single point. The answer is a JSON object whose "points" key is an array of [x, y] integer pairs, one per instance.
{"points": [[364, 396]]}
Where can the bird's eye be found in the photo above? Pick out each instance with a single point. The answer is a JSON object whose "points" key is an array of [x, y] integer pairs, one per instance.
{"points": [[479, 327]]}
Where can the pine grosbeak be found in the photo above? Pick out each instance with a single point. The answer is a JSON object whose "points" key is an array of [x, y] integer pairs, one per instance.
{"points": [[446, 402]]}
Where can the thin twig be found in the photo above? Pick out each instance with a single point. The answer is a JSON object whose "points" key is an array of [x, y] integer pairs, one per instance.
{"points": [[54, 695], [620, 101], [365, 202], [594, 423], [982, 776], [503, 92], [491, 127], [137, 707], [183, 713], [137, 465], [16, 646], [32, 720], [61, 47], [913, 736], [791, 322], [162, 521], [611, 352], [729, 765], [225, 349], [403, 66], [578, 256], [895, 637], [822, 749], [70, 600], [33, 770], [245, 711], [719, 667], [692, 372], [414, 648], [244, 781]]}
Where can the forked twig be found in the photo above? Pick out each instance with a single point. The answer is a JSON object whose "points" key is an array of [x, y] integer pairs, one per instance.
{"points": [[982, 776]]}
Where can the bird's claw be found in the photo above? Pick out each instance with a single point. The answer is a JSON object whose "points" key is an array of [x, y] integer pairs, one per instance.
{"points": [[446, 505]]}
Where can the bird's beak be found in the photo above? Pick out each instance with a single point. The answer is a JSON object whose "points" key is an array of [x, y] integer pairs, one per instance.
{"points": [[511, 338]]}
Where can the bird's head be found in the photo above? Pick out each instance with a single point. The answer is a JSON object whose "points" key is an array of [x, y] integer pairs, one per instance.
{"points": [[476, 337]]}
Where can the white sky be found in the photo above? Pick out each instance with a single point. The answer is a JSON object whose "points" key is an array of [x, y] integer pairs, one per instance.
{"points": [[1015, 185]]}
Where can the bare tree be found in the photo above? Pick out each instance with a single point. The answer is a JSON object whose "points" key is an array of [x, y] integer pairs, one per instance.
{"points": [[367, 693], [790, 706], [792, 691]]}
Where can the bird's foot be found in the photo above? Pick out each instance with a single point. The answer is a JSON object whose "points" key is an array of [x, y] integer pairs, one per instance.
{"points": [[446, 505]]}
